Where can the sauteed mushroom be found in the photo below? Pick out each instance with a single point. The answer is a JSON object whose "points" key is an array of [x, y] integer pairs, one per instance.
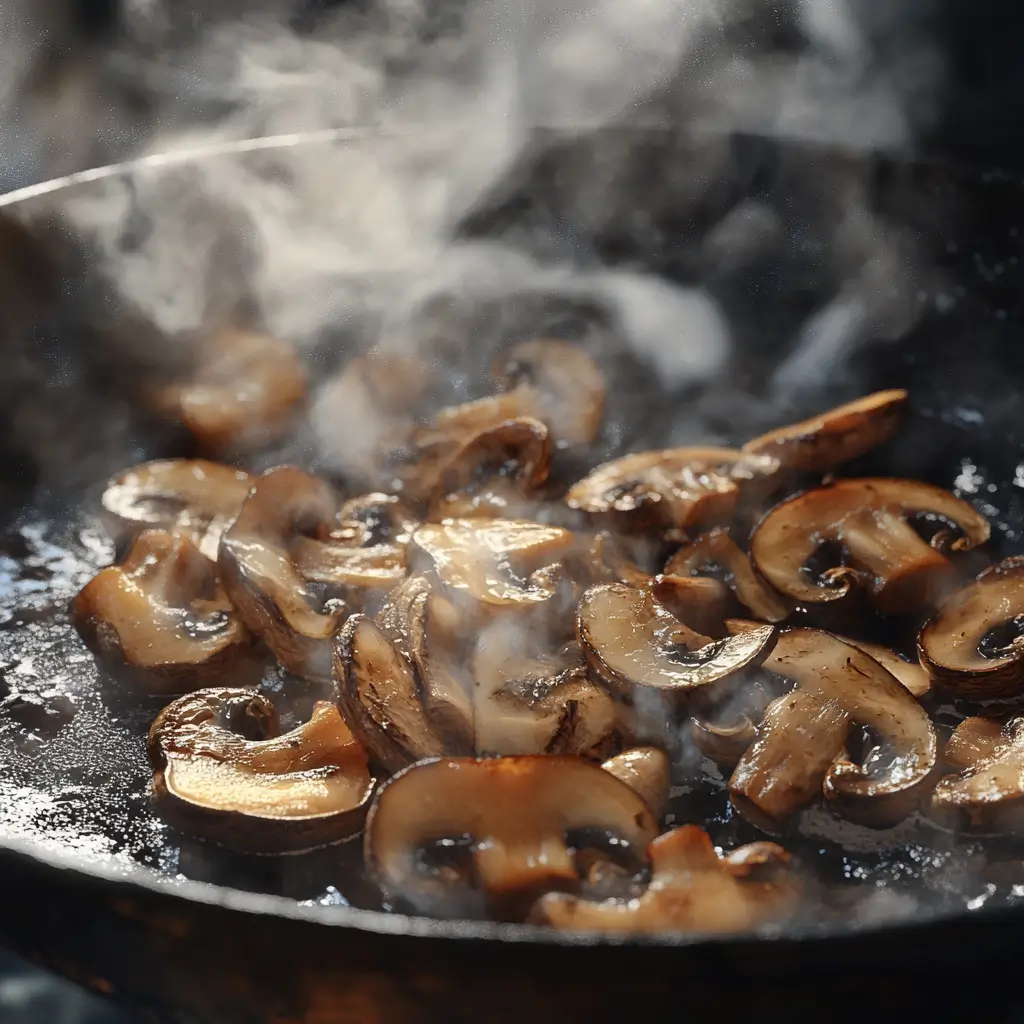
{"points": [[495, 561], [632, 643], [677, 488], [222, 772], [259, 573], [516, 812], [987, 793], [716, 547], [692, 889], [243, 392], [841, 434], [700, 602], [867, 517], [189, 496], [952, 646], [493, 472], [161, 621], [645, 770], [800, 744]]}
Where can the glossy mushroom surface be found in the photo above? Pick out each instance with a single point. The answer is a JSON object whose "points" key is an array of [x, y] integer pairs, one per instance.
{"points": [[882, 551], [222, 773], [160, 620], [958, 647], [516, 813]]}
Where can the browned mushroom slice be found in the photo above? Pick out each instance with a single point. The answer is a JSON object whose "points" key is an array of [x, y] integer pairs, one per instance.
{"points": [[674, 488], [515, 811], [243, 392], [987, 793], [910, 673], [837, 685], [632, 643], [961, 647], [495, 561], [189, 496], [259, 573], [841, 434], [702, 603], [379, 696], [716, 547], [493, 472], [725, 744], [868, 518], [535, 703], [270, 794], [647, 771], [161, 621], [692, 889], [563, 382]]}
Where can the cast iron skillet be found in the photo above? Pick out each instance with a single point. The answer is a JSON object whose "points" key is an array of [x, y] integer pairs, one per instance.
{"points": [[93, 887]]}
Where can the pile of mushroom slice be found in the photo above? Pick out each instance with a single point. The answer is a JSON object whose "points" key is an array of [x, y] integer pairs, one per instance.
{"points": [[516, 666]]}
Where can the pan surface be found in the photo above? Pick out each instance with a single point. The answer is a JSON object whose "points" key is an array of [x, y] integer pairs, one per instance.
{"points": [[83, 854]]}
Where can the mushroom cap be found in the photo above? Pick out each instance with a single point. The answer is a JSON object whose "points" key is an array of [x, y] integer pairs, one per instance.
{"points": [[692, 889], [834, 437], [516, 811], [492, 473], [949, 646], [160, 620], [243, 392], [837, 685], [189, 496], [259, 572], [867, 517], [569, 387], [310, 787], [495, 561], [673, 487], [986, 795], [631, 642]]}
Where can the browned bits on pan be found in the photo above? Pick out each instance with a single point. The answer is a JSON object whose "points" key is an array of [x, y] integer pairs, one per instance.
{"points": [[222, 772]]}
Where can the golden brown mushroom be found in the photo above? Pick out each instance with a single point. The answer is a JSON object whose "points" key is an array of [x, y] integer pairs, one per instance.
{"points": [[670, 489], [884, 553], [834, 437], [986, 794], [800, 745], [961, 648], [243, 393], [647, 771], [189, 496], [692, 889], [516, 813], [222, 773], [161, 621]]}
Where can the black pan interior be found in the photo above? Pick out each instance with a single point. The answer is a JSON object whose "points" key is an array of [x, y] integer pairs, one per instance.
{"points": [[73, 773]]}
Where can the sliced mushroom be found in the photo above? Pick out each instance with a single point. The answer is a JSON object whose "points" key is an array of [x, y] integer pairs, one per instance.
{"points": [[563, 383], [496, 561], [243, 393], [380, 696], [698, 601], [632, 643], [161, 621], [222, 773], [961, 647], [259, 573], [868, 517], [716, 547], [516, 813], [692, 889], [647, 771], [535, 703], [189, 496], [987, 793], [677, 488], [725, 744], [834, 437], [800, 744], [493, 473]]}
